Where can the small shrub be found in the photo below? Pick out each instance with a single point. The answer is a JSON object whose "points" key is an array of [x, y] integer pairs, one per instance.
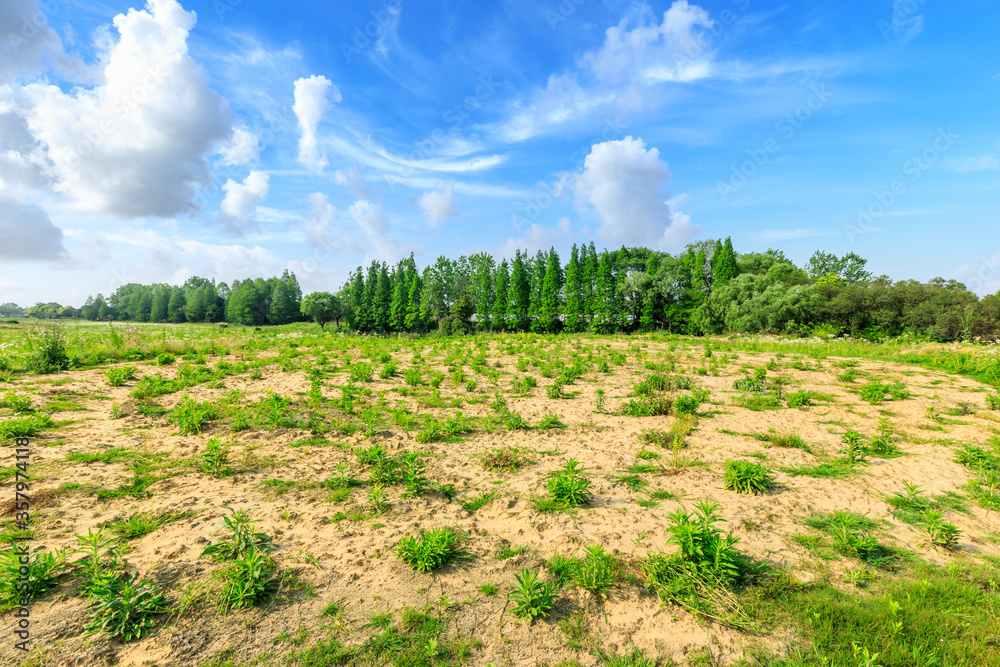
{"points": [[126, 609], [249, 580], [214, 459], [550, 421], [388, 371], [799, 399], [855, 447], [937, 532], [17, 403], [505, 459], [243, 537], [555, 391], [191, 415], [164, 359], [362, 372], [532, 598], [687, 404], [413, 376], [50, 355], [24, 427], [568, 487], [993, 401], [648, 407], [596, 571], [748, 477], [118, 376], [600, 400], [432, 549], [874, 392], [657, 437], [47, 568]]}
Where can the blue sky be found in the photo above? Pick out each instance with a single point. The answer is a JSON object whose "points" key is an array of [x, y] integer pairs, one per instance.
{"points": [[232, 138]]}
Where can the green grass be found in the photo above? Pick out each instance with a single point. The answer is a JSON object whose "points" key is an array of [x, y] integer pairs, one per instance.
{"points": [[821, 471], [479, 501]]}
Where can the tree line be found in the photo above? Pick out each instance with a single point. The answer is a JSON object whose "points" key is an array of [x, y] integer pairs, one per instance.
{"points": [[707, 289]]}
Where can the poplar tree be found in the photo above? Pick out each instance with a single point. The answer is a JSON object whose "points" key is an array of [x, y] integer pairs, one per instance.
{"points": [[519, 294], [398, 308], [536, 280], [605, 297], [383, 300], [574, 293], [413, 321], [589, 284], [501, 286], [548, 315]]}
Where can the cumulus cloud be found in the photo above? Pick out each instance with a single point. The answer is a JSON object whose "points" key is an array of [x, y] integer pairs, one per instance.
{"points": [[623, 184], [135, 144], [320, 220], [673, 50], [27, 234], [242, 149], [375, 225], [438, 206], [241, 199], [353, 181], [312, 98]]}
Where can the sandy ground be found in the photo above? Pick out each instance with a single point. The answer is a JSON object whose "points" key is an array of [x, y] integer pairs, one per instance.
{"points": [[354, 562]]}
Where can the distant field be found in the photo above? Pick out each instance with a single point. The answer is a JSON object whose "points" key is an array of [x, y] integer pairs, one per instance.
{"points": [[502, 500]]}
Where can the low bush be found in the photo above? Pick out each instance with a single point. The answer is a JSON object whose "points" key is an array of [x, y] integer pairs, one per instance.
{"points": [[432, 549], [748, 477]]}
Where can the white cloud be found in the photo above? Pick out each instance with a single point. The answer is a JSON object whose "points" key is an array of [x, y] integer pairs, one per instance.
{"points": [[438, 206], [312, 98], [242, 149], [623, 185], [375, 225], [988, 162], [241, 200], [135, 144], [352, 180], [320, 219], [27, 234], [673, 50], [636, 54]]}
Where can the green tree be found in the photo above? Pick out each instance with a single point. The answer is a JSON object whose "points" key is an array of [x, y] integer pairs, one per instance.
{"points": [[399, 300], [550, 310], [413, 321], [176, 306], [321, 307], [575, 316], [501, 288], [606, 312], [519, 295], [383, 301]]}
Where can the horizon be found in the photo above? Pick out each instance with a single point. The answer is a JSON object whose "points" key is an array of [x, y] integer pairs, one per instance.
{"points": [[152, 143]]}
